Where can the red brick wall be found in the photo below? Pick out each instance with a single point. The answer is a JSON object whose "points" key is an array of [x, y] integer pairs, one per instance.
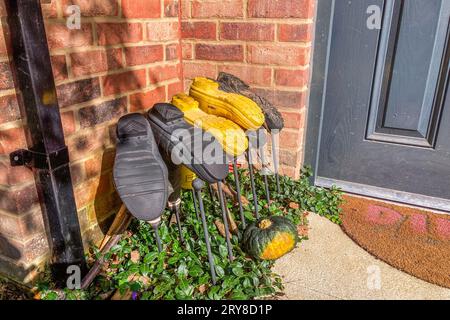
{"points": [[125, 58], [265, 42]]}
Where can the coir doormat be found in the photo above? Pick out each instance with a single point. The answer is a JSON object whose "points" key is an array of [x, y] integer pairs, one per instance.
{"points": [[413, 240]]}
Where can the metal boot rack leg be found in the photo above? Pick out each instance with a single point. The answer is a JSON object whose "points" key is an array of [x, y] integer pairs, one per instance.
{"points": [[155, 226], [198, 184], [252, 181], [275, 159], [264, 174], [238, 192], [175, 208], [225, 220]]}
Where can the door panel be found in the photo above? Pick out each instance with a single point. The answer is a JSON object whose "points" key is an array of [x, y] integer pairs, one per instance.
{"points": [[406, 101], [386, 113]]}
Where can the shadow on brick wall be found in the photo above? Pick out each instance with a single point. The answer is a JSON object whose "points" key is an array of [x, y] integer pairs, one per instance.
{"points": [[107, 202]]}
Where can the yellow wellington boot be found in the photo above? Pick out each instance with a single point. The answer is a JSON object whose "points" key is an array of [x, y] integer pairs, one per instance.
{"points": [[229, 134], [187, 177], [237, 108]]}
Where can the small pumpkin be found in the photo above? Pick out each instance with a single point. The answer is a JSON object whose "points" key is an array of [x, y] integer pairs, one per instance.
{"points": [[270, 238]]}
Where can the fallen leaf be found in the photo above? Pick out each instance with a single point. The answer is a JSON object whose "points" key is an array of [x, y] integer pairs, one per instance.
{"points": [[221, 228], [135, 256], [302, 231], [294, 205], [144, 280], [202, 288], [126, 296]]}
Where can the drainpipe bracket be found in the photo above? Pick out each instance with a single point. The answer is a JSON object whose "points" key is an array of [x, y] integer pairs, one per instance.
{"points": [[39, 160]]}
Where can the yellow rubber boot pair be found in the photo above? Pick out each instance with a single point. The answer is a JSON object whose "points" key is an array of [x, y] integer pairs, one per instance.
{"points": [[235, 107], [229, 134]]}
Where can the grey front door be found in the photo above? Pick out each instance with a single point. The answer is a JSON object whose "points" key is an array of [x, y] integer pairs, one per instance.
{"points": [[385, 112]]}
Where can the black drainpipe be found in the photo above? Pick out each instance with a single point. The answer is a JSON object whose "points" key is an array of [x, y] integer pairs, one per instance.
{"points": [[48, 156]]}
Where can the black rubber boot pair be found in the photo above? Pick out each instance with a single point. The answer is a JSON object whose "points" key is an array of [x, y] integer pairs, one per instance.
{"points": [[141, 175]]}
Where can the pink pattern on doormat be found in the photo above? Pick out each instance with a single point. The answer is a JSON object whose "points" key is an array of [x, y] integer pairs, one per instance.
{"points": [[418, 223], [443, 228], [382, 216]]}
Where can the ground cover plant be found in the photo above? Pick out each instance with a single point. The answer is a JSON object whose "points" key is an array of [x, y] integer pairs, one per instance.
{"points": [[135, 270]]}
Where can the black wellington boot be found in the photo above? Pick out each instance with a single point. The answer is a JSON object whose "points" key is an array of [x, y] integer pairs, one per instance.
{"points": [[140, 174], [231, 83]]}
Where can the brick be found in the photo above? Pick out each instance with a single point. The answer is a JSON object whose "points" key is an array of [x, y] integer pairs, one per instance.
{"points": [[11, 140], [84, 221], [171, 8], [293, 120], [3, 12], [286, 99], [59, 36], [9, 109], [278, 55], [143, 101], [94, 188], [59, 67], [78, 92], [289, 139], [187, 51], [100, 164], [289, 157], [104, 207], [217, 9], [172, 52], [141, 9], [247, 31], [10, 176], [174, 88], [162, 31], [119, 33], [11, 248], [3, 44], [87, 142], [19, 201], [114, 59], [68, 122], [163, 73], [24, 252], [89, 62], [144, 54], [195, 69], [186, 9], [23, 227], [91, 8], [219, 52], [291, 78], [107, 111], [250, 74], [295, 32], [93, 167], [77, 173], [303, 9], [198, 30], [93, 235], [35, 248], [290, 172], [49, 10], [6, 77], [124, 82]]}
